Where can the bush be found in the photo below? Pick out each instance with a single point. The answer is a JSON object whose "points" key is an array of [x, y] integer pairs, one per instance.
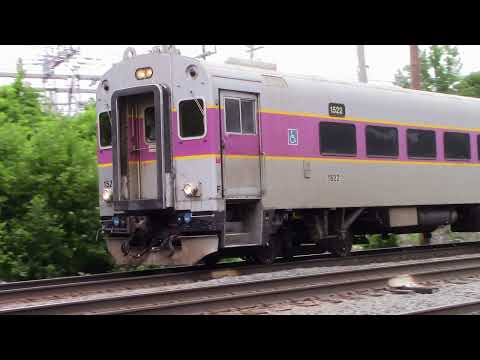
{"points": [[379, 241], [48, 190]]}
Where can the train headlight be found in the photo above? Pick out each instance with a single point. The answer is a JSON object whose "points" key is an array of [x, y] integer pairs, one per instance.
{"points": [[107, 195], [191, 190], [144, 73]]}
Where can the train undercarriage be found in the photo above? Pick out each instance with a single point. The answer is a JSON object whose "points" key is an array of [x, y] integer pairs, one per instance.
{"points": [[171, 238]]}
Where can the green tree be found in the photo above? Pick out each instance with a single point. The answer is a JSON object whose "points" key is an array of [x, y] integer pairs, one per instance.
{"points": [[440, 70], [48, 190], [470, 85]]}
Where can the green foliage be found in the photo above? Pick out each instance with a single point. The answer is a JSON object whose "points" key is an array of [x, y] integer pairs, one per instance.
{"points": [[48, 190], [378, 241], [440, 70], [470, 85]]}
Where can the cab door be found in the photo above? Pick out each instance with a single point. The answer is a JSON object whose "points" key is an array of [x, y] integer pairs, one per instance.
{"points": [[142, 149], [240, 145], [137, 143]]}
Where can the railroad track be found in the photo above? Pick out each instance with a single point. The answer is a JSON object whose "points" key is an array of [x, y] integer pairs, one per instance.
{"points": [[78, 286], [466, 308], [220, 297]]}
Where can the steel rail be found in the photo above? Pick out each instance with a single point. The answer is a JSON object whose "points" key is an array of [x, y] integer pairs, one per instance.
{"points": [[37, 289], [466, 308], [299, 260], [225, 296]]}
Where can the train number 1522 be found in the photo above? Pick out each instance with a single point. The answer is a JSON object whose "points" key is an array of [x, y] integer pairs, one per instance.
{"points": [[335, 178], [336, 110]]}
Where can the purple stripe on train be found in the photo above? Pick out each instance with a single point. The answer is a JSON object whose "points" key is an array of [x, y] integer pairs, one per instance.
{"points": [[275, 138], [274, 128]]}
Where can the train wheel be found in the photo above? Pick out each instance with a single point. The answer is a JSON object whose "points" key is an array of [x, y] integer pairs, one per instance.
{"points": [[250, 259], [342, 247], [286, 239], [267, 254]]}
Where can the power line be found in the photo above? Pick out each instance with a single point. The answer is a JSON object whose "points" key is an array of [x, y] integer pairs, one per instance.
{"points": [[50, 60]]}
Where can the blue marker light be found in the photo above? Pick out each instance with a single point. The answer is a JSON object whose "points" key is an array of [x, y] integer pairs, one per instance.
{"points": [[116, 221], [187, 217]]}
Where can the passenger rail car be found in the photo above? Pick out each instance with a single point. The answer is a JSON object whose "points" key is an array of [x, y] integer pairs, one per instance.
{"points": [[198, 161]]}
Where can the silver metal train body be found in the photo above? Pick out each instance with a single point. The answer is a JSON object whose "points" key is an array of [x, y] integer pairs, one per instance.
{"points": [[198, 161]]}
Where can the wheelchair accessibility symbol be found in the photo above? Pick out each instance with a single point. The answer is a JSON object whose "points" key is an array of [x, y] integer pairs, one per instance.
{"points": [[292, 137]]}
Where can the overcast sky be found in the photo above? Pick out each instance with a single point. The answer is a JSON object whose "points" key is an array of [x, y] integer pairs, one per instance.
{"points": [[329, 61]]}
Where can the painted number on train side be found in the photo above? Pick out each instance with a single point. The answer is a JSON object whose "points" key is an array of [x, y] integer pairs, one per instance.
{"points": [[107, 184], [336, 110], [335, 178]]}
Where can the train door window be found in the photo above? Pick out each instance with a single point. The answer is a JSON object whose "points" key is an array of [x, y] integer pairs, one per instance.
{"points": [[457, 146], [421, 144], [232, 116], [105, 130], [149, 119], [191, 119], [382, 141], [338, 139], [240, 116]]}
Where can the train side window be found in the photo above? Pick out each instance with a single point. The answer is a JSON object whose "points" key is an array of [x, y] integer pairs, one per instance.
{"points": [[149, 118], [421, 144], [337, 139], [104, 130], [240, 116], [457, 146], [191, 119], [382, 141], [478, 146]]}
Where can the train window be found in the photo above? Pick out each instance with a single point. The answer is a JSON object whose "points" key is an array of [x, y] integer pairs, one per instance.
{"points": [[191, 118], [421, 144], [149, 118], [457, 146], [478, 146], [338, 139], [248, 112], [105, 129], [382, 141], [232, 116], [240, 116]]}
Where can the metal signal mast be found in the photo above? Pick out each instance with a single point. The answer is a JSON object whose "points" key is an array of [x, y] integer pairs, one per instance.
{"points": [[206, 53], [51, 58], [252, 49]]}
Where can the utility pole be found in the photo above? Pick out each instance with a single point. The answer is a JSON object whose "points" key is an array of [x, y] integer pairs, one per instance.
{"points": [[362, 67], [414, 68], [252, 49], [415, 84]]}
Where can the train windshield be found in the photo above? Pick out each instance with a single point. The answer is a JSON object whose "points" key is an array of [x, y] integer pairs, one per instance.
{"points": [[192, 118], [105, 130]]}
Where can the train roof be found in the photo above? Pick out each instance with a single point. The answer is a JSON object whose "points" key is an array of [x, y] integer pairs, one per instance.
{"points": [[293, 79]]}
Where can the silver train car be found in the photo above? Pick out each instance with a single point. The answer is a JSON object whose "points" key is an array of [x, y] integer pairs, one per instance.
{"points": [[198, 161]]}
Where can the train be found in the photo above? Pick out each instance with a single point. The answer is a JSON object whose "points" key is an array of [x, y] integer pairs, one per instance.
{"points": [[199, 161]]}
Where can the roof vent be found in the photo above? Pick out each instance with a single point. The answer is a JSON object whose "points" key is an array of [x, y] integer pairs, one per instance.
{"points": [[252, 64]]}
